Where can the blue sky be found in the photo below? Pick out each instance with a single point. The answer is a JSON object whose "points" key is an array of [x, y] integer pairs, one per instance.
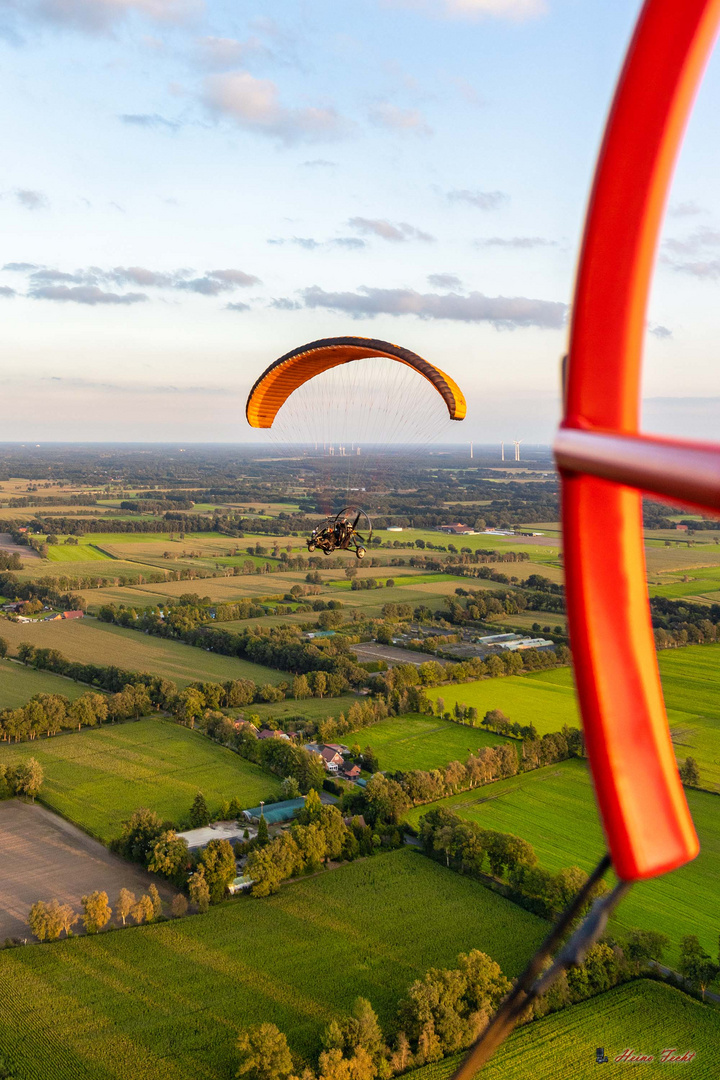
{"points": [[192, 189]]}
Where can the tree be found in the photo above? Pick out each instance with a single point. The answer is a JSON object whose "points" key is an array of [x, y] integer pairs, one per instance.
{"points": [[264, 870], [169, 855], [3, 647], [690, 773], [96, 911], [26, 778], [312, 809], [263, 835], [47, 921], [218, 862], [301, 688], [264, 1053], [644, 945], [290, 789], [139, 835], [696, 965], [124, 904], [199, 891], [179, 906], [142, 911], [25, 651], [199, 813], [155, 900]]}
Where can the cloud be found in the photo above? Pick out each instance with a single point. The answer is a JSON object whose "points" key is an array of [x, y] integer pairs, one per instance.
{"points": [[101, 16], [254, 105], [686, 209], [660, 331], [504, 313], [319, 163], [221, 53], [210, 283], [309, 244], [149, 120], [139, 275], [444, 281], [397, 119], [483, 200], [353, 243], [6, 291], [217, 281], [31, 200], [513, 10], [515, 242], [691, 245], [708, 269], [20, 267], [387, 231], [84, 294], [238, 306], [45, 274], [283, 304]]}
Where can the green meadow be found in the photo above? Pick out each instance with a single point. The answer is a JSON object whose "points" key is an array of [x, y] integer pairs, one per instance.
{"points": [[98, 777], [18, 684], [421, 742], [165, 1002], [554, 809]]}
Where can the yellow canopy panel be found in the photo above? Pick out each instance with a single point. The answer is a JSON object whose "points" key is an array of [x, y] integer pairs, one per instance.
{"points": [[295, 368]]}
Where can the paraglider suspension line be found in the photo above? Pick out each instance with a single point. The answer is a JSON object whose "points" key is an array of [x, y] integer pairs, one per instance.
{"points": [[534, 981]]}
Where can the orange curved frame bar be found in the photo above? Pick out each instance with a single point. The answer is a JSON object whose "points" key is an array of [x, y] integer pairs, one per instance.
{"points": [[285, 375], [606, 464]]}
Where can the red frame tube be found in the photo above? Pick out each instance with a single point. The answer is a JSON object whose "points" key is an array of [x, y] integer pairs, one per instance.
{"points": [[605, 463]]}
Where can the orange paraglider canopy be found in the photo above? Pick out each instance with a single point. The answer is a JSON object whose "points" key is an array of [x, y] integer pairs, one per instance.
{"points": [[295, 368]]}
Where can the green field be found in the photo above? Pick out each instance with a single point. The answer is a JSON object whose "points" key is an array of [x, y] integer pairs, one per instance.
{"points": [[18, 684], [539, 550], [691, 682], [554, 809], [81, 552], [96, 778], [166, 1002], [91, 642], [645, 1016], [420, 742]]}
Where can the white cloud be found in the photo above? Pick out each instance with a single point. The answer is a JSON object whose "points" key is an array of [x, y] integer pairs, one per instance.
{"points": [[397, 119], [387, 231], [516, 242], [513, 10], [31, 200], [483, 200], [444, 281], [254, 104], [100, 16], [84, 294], [502, 312], [221, 53]]}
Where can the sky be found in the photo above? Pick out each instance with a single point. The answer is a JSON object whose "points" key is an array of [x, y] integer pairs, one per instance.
{"points": [[190, 189]]}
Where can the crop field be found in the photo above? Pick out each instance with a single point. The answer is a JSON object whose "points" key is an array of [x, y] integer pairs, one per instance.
{"points": [[92, 642], [540, 548], [554, 809], [663, 559], [80, 552], [525, 698], [646, 1016], [165, 1002], [421, 742], [44, 856], [96, 778], [312, 708], [18, 684], [702, 581]]}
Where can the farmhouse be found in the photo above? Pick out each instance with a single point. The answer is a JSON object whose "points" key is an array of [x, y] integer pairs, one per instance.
{"points": [[73, 614], [350, 772], [457, 529], [268, 733], [332, 760]]}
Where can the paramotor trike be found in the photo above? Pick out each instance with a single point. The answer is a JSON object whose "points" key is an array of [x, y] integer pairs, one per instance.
{"points": [[341, 532]]}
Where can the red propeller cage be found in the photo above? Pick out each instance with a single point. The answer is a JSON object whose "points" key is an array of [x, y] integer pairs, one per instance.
{"points": [[606, 464]]}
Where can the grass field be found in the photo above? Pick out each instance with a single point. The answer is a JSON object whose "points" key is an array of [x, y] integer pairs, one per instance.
{"points": [[166, 1002], [540, 548], [92, 642], [18, 684], [420, 742], [554, 809], [691, 682], [646, 1016], [70, 553], [96, 778]]}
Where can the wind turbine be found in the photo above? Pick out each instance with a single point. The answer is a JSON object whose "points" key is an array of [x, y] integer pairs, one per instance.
{"points": [[517, 448]]}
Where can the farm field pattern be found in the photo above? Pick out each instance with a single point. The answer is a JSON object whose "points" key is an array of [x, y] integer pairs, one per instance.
{"points": [[421, 742], [554, 809], [174, 995], [97, 778], [90, 642]]}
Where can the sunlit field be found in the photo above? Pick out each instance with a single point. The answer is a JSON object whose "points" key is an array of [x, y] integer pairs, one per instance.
{"points": [[18, 684]]}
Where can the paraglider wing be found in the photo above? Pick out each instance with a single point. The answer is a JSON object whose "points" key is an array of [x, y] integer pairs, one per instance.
{"points": [[295, 368]]}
